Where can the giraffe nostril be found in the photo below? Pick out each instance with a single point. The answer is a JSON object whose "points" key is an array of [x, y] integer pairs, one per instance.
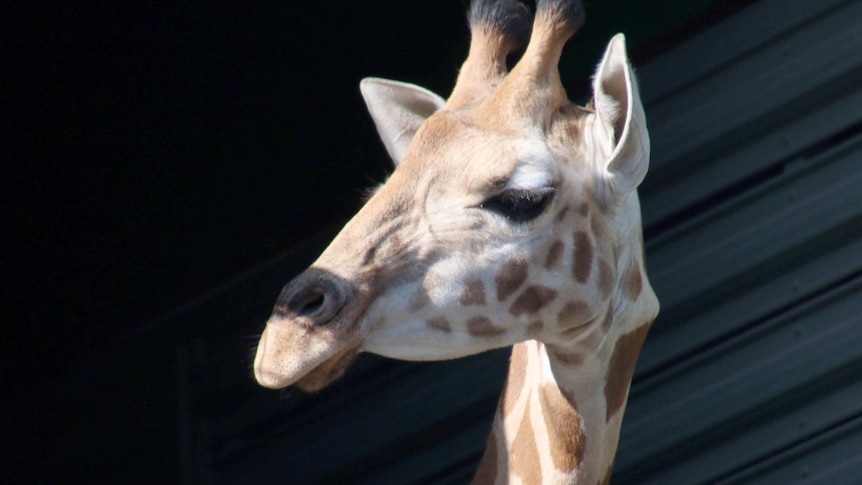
{"points": [[311, 307], [307, 301], [315, 296]]}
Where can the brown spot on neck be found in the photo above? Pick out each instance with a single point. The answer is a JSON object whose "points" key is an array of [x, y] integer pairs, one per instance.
{"points": [[473, 294], [482, 326], [621, 368], [533, 299], [510, 278], [440, 323], [535, 327], [583, 258], [565, 429]]}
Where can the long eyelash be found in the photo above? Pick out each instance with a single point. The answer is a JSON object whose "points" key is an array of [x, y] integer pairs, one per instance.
{"points": [[511, 203]]}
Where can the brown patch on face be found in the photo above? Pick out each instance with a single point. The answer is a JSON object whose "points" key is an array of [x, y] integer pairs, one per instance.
{"points": [[510, 278], [606, 278], [565, 429], [554, 254], [573, 313], [621, 368], [439, 323], [515, 380], [583, 258], [535, 327], [487, 471], [482, 326], [525, 453], [473, 294], [632, 281], [584, 209], [398, 247], [533, 299], [567, 118], [562, 214]]}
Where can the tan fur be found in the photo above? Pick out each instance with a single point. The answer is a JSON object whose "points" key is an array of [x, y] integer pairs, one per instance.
{"points": [[621, 367], [568, 441]]}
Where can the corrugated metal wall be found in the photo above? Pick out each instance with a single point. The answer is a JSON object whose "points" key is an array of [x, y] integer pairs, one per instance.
{"points": [[753, 211], [753, 372]]}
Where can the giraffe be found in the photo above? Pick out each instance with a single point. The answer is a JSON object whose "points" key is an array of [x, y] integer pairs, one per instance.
{"points": [[511, 219]]}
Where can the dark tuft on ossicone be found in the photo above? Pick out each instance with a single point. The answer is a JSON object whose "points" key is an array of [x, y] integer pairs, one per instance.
{"points": [[510, 18], [569, 12]]}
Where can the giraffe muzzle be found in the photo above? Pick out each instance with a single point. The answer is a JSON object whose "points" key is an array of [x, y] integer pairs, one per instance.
{"points": [[312, 335]]}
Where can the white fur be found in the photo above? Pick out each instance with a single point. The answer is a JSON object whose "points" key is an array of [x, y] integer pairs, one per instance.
{"points": [[627, 162], [398, 110]]}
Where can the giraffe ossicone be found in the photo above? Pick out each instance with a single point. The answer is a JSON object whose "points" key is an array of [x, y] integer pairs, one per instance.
{"points": [[511, 219]]}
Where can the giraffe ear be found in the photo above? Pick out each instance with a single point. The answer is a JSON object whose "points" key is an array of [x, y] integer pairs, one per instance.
{"points": [[621, 123], [398, 110]]}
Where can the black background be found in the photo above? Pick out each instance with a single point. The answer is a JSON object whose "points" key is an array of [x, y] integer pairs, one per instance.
{"points": [[159, 149]]}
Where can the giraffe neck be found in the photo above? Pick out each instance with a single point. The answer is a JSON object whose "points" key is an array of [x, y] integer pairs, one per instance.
{"points": [[559, 417], [545, 431]]}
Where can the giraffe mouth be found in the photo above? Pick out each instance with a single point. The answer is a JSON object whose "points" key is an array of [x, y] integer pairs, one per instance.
{"points": [[291, 354], [328, 371]]}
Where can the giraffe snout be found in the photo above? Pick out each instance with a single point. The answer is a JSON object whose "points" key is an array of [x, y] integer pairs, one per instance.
{"points": [[315, 297]]}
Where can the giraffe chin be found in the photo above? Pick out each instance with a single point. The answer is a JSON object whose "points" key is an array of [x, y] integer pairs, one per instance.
{"points": [[329, 371]]}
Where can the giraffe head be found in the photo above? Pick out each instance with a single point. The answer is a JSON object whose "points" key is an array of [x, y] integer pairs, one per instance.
{"points": [[507, 217]]}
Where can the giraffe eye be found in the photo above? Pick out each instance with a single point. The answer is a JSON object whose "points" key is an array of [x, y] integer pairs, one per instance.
{"points": [[520, 205]]}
